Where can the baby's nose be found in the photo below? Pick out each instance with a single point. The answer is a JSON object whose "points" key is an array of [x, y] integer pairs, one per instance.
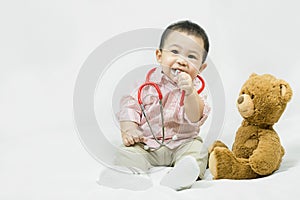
{"points": [[181, 61]]}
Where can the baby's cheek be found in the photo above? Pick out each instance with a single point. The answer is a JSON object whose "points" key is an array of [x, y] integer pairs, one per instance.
{"points": [[169, 61], [194, 74]]}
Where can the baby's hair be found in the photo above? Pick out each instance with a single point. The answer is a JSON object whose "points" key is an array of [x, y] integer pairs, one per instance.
{"points": [[189, 28]]}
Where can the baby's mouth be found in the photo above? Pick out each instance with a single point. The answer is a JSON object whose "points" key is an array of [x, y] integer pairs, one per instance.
{"points": [[175, 72]]}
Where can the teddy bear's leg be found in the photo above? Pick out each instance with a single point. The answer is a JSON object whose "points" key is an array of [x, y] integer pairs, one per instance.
{"points": [[224, 165], [217, 143]]}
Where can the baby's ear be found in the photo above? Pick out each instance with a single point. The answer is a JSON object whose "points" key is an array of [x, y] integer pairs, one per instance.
{"points": [[286, 90], [203, 66], [158, 55]]}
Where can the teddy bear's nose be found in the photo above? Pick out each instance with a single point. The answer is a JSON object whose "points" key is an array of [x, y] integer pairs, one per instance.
{"points": [[240, 99]]}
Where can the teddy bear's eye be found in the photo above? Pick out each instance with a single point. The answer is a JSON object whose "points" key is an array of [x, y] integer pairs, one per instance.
{"points": [[252, 96]]}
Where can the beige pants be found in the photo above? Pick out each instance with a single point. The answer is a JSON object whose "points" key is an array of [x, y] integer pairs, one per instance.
{"points": [[136, 156]]}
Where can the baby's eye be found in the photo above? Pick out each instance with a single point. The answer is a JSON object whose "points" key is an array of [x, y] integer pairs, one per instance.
{"points": [[192, 57], [174, 51]]}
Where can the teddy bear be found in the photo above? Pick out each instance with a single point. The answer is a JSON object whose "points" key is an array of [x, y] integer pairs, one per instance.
{"points": [[256, 151]]}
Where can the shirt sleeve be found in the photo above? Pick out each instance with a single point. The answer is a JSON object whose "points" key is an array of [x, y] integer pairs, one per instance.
{"points": [[129, 110]]}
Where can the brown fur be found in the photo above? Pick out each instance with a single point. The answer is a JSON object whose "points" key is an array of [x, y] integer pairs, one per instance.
{"points": [[257, 150]]}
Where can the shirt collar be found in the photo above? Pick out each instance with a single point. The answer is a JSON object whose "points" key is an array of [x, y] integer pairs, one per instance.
{"points": [[168, 81]]}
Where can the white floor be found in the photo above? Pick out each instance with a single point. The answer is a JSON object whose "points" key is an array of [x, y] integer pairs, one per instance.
{"points": [[54, 165]]}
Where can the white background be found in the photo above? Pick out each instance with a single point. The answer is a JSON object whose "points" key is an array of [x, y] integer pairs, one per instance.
{"points": [[43, 45]]}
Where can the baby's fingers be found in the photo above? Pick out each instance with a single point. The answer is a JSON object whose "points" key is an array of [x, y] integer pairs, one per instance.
{"points": [[128, 140], [132, 137], [136, 138], [143, 139]]}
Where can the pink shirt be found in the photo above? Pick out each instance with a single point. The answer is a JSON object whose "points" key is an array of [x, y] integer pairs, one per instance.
{"points": [[176, 121]]}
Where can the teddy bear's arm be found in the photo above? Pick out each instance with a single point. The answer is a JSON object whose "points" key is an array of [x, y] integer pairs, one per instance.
{"points": [[266, 158], [245, 142]]}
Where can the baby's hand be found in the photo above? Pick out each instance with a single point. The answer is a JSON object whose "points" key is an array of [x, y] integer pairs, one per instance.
{"points": [[185, 83], [132, 136]]}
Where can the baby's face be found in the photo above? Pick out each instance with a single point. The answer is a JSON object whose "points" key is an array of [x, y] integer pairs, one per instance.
{"points": [[181, 52]]}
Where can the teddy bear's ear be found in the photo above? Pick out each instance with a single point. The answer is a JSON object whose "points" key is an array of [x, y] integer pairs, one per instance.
{"points": [[286, 91], [253, 75]]}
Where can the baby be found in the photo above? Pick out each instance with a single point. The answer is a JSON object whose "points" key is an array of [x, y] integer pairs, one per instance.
{"points": [[181, 55]]}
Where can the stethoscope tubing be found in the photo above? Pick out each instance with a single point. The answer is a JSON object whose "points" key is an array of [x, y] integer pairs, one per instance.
{"points": [[160, 106], [160, 96]]}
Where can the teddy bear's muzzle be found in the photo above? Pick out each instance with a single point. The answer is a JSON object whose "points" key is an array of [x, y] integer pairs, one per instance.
{"points": [[245, 105]]}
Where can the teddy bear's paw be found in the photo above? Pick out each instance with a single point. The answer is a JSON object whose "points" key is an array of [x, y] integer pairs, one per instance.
{"points": [[220, 163], [213, 164], [217, 143]]}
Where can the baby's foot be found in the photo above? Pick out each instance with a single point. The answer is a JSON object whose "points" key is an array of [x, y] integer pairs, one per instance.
{"points": [[183, 175], [116, 179]]}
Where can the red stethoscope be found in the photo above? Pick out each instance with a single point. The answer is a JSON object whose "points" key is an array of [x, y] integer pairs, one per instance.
{"points": [[160, 96]]}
